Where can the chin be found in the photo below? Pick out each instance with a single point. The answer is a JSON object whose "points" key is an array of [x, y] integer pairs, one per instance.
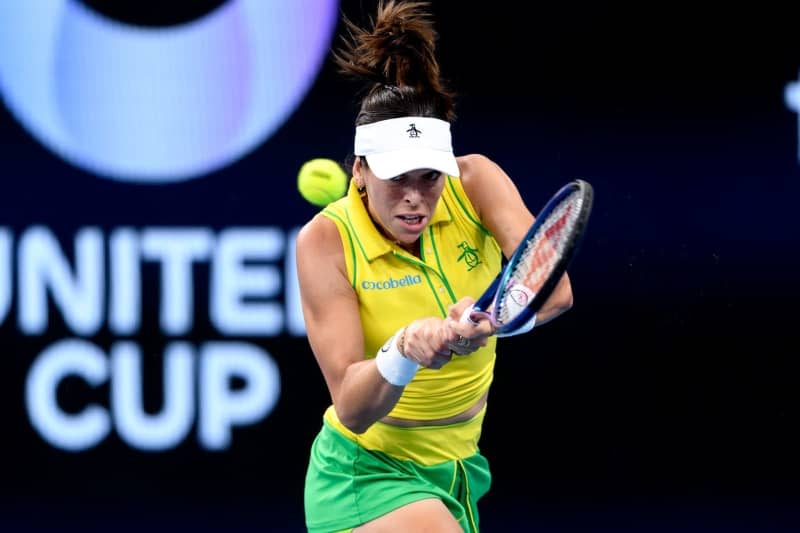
{"points": [[408, 238]]}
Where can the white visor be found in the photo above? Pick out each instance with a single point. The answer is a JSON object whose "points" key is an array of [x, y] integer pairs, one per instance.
{"points": [[399, 145]]}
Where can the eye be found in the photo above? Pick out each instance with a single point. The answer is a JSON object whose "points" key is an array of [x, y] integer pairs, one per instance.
{"points": [[428, 177]]}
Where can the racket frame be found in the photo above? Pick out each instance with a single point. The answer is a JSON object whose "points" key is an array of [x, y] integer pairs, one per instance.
{"points": [[491, 295]]}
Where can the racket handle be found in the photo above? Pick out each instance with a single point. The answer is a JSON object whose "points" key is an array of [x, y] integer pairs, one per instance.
{"points": [[466, 317]]}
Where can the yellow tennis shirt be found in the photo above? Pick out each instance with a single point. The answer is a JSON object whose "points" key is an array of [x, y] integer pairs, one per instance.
{"points": [[458, 257]]}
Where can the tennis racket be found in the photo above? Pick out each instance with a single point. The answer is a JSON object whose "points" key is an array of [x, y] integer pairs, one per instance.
{"points": [[534, 269]]}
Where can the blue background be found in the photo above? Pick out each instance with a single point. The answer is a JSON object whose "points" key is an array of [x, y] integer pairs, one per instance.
{"points": [[666, 400]]}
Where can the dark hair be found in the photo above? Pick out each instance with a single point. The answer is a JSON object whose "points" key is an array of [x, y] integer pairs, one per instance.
{"points": [[396, 57]]}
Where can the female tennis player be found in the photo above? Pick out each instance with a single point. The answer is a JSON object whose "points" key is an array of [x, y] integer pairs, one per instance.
{"points": [[385, 274]]}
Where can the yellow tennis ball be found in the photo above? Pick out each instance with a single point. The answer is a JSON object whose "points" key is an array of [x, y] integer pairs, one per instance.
{"points": [[321, 181]]}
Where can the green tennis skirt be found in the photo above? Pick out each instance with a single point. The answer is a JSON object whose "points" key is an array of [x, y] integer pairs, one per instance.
{"points": [[347, 485]]}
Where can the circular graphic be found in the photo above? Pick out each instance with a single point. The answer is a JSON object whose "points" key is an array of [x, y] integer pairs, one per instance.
{"points": [[159, 105], [153, 13]]}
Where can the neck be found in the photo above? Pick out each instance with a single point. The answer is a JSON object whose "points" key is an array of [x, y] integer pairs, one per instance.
{"points": [[412, 248]]}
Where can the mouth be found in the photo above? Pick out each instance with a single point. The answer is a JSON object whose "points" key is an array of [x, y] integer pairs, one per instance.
{"points": [[413, 223]]}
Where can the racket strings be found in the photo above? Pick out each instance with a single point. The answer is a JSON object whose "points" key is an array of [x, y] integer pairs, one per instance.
{"points": [[539, 258]]}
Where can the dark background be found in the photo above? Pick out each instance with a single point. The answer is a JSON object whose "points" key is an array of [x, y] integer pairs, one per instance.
{"points": [[665, 400]]}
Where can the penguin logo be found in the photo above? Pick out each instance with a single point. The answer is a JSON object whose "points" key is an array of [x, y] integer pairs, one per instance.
{"points": [[159, 104]]}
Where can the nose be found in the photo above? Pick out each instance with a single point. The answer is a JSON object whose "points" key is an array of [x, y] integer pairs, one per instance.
{"points": [[412, 193]]}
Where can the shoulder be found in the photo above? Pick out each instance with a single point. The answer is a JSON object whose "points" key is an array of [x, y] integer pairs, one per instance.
{"points": [[481, 178], [478, 171], [474, 164], [319, 237]]}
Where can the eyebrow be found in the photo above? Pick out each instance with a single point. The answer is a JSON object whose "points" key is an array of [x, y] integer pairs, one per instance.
{"points": [[423, 175]]}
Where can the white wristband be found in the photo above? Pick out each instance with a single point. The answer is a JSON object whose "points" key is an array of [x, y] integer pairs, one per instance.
{"points": [[393, 365], [524, 328]]}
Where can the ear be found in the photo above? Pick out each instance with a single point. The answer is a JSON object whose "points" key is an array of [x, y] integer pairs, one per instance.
{"points": [[358, 177]]}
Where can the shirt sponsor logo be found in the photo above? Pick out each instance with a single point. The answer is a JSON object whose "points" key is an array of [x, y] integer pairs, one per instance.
{"points": [[391, 283]]}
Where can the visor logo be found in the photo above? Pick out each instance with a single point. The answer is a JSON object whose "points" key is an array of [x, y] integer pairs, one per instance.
{"points": [[413, 132], [159, 104]]}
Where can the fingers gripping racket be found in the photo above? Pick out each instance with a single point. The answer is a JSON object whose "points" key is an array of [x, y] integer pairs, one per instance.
{"points": [[534, 269]]}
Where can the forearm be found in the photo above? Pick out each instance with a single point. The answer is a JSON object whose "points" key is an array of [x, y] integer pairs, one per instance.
{"points": [[370, 389], [559, 302], [365, 396]]}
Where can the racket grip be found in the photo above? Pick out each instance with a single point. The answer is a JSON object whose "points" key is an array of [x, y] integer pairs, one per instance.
{"points": [[466, 317]]}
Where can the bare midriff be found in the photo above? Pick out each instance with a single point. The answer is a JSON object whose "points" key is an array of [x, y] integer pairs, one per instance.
{"points": [[455, 419]]}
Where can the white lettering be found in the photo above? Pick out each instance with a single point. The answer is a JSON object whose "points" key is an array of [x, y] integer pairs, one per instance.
{"points": [[222, 407], [249, 269], [125, 303], [245, 281], [5, 273], [176, 249], [42, 266], [74, 432], [233, 281], [294, 309], [168, 428]]}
